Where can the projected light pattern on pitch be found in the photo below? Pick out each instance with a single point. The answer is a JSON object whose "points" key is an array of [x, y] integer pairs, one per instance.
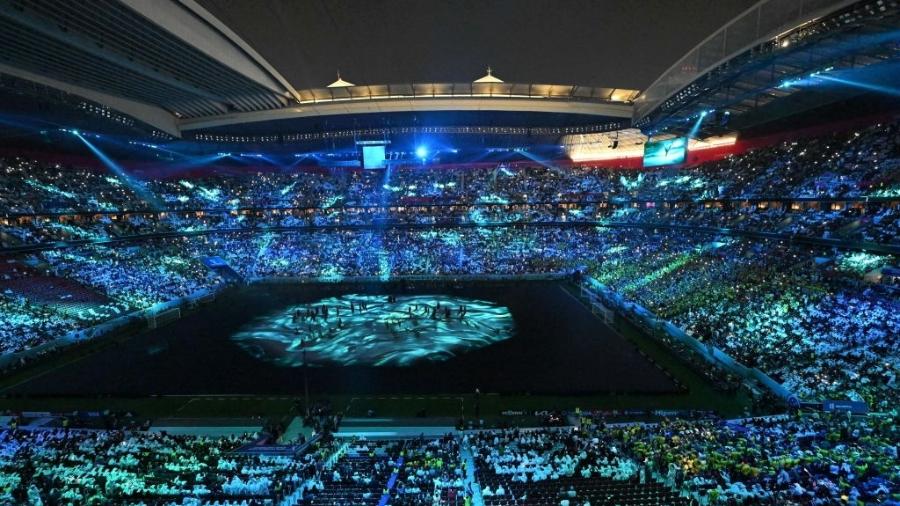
{"points": [[376, 330]]}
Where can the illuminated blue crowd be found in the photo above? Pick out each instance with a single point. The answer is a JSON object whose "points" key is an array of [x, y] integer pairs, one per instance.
{"points": [[805, 460], [822, 321], [843, 186], [824, 324], [811, 459]]}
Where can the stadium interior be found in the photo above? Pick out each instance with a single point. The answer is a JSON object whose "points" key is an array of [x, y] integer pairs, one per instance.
{"points": [[334, 252]]}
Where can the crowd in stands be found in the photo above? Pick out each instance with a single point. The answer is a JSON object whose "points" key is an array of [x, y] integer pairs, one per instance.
{"points": [[870, 223], [815, 319], [357, 473], [80, 466], [809, 321], [807, 460], [64, 292], [812, 459], [431, 473], [861, 164], [28, 187], [851, 164], [559, 467], [24, 326], [134, 275], [877, 222], [800, 459], [61, 466]]}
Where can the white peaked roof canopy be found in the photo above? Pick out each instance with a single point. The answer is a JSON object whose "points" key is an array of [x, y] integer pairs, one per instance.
{"points": [[489, 78], [340, 83]]}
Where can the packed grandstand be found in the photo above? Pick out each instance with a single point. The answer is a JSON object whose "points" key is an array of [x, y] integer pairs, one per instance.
{"points": [[758, 270]]}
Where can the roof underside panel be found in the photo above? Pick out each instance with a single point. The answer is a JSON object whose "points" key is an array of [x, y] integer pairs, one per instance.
{"points": [[853, 50], [110, 48]]}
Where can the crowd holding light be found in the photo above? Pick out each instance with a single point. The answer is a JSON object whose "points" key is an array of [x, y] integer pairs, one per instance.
{"points": [[815, 327], [848, 165], [821, 328], [39, 307], [823, 322], [123, 467], [849, 222], [225, 290], [801, 460], [842, 187], [807, 460]]}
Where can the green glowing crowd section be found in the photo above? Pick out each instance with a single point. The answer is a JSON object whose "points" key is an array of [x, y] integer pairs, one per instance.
{"points": [[375, 330]]}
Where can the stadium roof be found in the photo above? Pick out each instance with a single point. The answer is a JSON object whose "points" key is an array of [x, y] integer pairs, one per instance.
{"points": [[776, 50], [488, 78], [421, 97], [178, 66], [181, 64]]}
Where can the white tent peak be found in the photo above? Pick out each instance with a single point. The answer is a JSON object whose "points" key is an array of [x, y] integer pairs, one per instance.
{"points": [[489, 77], [340, 83]]}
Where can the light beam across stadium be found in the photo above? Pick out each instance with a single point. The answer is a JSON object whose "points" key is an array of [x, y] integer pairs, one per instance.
{"points": [[695, 129], [536, 159], [117, 169], [861, 84]]}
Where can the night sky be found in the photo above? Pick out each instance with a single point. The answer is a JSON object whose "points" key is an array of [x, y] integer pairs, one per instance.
{"points": [[608, 43]]}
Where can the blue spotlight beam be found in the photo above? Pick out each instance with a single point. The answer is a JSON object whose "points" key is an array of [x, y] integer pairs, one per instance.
{"points": [[136, 186], [536, 159], [696, 128], [860, 84]]}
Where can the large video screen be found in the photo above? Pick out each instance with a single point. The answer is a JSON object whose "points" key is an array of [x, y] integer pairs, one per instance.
{"points": [[667, 152], [373, 157]]}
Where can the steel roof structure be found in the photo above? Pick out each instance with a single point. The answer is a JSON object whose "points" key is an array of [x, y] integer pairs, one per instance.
{"points": [[178, 71], [173, 66], [761, 57]]}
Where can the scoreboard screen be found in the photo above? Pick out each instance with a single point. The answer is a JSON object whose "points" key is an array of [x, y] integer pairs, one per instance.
{"points": [[667, 152], [373, 156]]}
